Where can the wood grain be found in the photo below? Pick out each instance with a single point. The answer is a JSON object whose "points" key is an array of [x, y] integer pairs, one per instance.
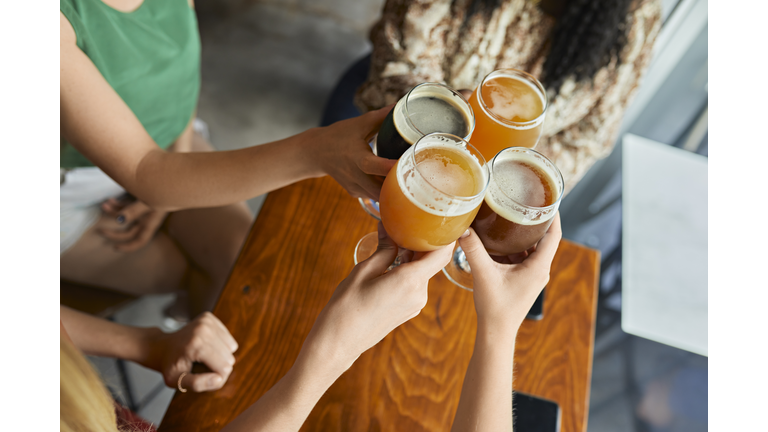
{"points": [[299, 249]]}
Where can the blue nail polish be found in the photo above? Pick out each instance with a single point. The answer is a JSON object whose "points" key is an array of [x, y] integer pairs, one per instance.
{"points": [[120, 219]]}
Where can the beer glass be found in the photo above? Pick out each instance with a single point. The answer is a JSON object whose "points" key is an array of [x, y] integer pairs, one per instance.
{"points": [[434, 192], [509, 106], [427, 108], [522, 200]]}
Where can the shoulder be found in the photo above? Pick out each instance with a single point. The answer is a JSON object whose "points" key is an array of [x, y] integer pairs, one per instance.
{"points": [[67, 36]]}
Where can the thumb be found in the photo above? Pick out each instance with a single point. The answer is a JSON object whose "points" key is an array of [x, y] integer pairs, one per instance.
{"points": [[371, 121], [476, 254], [199, 383], [384, 255]]}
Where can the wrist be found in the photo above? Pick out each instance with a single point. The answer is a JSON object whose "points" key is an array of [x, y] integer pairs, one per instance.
{"points": [[326, 355], [149, 347], [497, 332], [308, 150]]}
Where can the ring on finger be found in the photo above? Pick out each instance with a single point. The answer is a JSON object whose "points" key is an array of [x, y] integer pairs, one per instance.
{"points": [[178, 384]]}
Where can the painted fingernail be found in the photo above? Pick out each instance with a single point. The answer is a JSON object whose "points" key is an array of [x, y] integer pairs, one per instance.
{"points": [[120, 219], [466, 233]]}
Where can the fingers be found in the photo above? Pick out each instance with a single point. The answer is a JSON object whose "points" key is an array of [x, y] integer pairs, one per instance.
{"points": [[476, 254], [383, 257], [375, 165], [121, 236], [371, 187], [132, 212], [371, 122], [547, 246], [429, 263], [217, 356], [199, 383], [222, 331], [138, 242]]}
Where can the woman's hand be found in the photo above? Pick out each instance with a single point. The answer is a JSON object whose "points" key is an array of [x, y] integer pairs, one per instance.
{"points": [[131, 224], [505, 291], [204, 340], [342, 151], [369, 304]]}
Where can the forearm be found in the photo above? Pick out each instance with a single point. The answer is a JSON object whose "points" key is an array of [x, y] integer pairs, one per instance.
{"points": [[99, 337], [210, 179], [286, 406], [486, 396]]}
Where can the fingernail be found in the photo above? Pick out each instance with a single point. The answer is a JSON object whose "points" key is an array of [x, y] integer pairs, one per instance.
{"points": [[466, 233], [120, 219], [215, 380], [228, 368]]}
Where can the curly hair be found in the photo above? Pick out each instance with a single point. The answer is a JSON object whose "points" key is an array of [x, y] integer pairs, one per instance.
{"points": [[587, 36]]}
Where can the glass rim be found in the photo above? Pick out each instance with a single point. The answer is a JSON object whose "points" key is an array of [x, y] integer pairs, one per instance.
{"points": [[510, 123], [455, 92], [483, 166], [558, 179]]}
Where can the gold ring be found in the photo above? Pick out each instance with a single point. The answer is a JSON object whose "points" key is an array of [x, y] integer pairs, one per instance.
{"points": [[181, 389]]}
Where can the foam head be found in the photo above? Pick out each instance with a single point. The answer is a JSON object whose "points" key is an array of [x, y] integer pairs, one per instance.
{"points": [[526, 187]]}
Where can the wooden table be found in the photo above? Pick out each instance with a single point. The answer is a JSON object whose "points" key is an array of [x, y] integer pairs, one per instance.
{"points": [[300, 248]]}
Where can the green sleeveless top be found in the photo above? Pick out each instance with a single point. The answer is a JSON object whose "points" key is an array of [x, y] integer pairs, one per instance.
{"points": [[150, 56]]}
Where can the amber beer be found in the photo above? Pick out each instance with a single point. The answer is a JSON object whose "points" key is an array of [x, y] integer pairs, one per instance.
{"points": [[509, 106], [521, 202], [427, 108], [433, 193]]}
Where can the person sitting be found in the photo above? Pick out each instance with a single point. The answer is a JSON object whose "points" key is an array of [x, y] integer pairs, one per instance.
{"points": [[145, 205], [364, 308], [590, 55]]}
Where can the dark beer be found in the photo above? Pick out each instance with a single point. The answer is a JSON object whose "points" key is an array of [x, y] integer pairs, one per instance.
{"points": [[521, 202], [427, 108]]}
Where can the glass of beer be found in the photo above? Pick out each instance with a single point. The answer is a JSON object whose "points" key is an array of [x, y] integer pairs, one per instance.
{"points": [[509, 106], [522, 200], [434, 192], [427, 108]]}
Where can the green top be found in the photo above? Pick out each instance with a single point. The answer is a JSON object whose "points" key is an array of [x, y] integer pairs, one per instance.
{"points": [[150, 56]]}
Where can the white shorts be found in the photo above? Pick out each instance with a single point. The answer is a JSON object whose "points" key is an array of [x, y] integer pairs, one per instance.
{"points": [[82, 192]]}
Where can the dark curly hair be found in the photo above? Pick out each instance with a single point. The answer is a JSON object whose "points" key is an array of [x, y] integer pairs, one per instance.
{"points": [[587, 35]]}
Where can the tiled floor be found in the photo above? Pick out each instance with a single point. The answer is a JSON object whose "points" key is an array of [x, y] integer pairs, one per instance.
{"points": [[266, 75]]}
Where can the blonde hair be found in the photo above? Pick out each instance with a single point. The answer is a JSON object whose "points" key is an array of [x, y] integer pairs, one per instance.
{"points": [[86, 405]]}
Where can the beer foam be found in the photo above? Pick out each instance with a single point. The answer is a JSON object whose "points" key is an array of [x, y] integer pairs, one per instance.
{"points": [[510, 103], [406, 128], [509, 189], [433, 185]]}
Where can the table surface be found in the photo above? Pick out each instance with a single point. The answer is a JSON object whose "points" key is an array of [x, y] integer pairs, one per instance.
{"points": [[300, 248], [664, 256]]}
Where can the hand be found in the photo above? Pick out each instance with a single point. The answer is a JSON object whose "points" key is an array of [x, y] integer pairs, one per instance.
{"points": [[369, 304], [205, 340], [342, 152], [505, 291], [133, 224]]}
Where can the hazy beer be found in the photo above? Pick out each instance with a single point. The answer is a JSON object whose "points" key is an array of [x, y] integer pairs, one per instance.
{"points": [[509, 106], [522, 200], [427, 108], [433, 193]]}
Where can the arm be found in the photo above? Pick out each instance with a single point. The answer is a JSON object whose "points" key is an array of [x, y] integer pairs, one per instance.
{"points": [[204, 340], [365, 307], [99, 337], [96, 121], [503, 295]]}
